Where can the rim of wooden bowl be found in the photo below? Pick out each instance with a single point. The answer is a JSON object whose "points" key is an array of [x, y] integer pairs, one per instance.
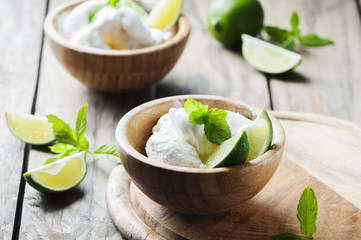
{"points": [[278, 140], [50, 30]]}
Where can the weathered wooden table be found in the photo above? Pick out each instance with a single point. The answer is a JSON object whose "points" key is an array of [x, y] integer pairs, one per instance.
{"points": [[31, 81]]}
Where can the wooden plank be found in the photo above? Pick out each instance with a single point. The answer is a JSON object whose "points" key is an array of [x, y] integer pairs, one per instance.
{"points": [[328, 80], [18, 75], [81, 213]]}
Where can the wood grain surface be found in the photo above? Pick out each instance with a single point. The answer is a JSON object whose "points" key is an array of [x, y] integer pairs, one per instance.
{"points": [[274, 209], [327, 82], [19, 20]]}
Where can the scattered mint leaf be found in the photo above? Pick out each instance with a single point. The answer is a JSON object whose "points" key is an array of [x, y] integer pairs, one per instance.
{"points": [[294, 21], [307, 211], [216, 127], [276, 34], [80, 128], [287, 236], [306, 214], [61, 147], [289, 43], [63, 133], [287, 37], [80, 125], [107, 151], [94, 11], [312, 40]]}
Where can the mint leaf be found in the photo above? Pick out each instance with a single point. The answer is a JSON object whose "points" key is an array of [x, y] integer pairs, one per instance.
{"points": [[287, 37], [289, 43], [197, 117], [191, 105], [216, 127], [217, 133], [287, 236], [60, 148], [63, 133], [113, 3], [276, 34], [67, 153], [107, 151], [294, 21], [216, 116], [307, 211], [94, 11], [313, 40], [80, 128]]}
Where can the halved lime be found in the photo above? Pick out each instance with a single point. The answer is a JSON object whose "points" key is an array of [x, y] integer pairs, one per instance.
{"points": [[58, 176], [29, 128], [231, 152], [267, 57], [260, 135], [164, 14]]}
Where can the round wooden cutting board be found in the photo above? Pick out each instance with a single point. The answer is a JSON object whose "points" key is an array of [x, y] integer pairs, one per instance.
{"points": [[322, 152]]}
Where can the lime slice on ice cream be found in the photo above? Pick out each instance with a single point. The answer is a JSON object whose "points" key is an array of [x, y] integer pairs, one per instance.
{"points": [[267, 57], [164, 14], [231, 152], [260, 135]]}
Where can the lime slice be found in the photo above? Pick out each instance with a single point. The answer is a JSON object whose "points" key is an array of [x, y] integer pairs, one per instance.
{"points": [[267, 57], [29, 128], [58, 176], [164, 14], [232, 152], [260, 135]]}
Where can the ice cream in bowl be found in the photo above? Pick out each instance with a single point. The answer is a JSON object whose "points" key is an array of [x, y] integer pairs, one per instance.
{"points": [[199, 154], [117, 45]]}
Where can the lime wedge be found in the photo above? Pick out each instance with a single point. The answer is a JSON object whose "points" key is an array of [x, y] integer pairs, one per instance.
{"points": [[260, 135], [267, 57], [29, 128], [164, 14], [58, 176], [232, 152]]}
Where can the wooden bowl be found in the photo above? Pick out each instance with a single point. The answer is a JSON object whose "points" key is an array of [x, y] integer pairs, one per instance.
{"points": [[116, 71], [193, 190]]}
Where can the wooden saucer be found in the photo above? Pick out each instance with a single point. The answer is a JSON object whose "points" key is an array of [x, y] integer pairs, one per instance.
{"points": [[322, 152]]}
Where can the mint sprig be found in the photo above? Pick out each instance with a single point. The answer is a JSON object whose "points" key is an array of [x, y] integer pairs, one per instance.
{"points": [[117, 4], [216, 127], [71, 141], [306, 215], [288, 38], [107, 151]]}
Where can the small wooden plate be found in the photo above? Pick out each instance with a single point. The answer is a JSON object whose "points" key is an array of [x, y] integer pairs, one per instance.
{"points": [[322, 152]]}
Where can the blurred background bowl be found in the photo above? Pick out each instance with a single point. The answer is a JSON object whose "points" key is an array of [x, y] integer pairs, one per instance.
{"points": [[193, 190], [116, 71]]}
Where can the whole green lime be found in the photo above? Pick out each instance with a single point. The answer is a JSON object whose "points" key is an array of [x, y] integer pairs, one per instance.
{"points": [[228, 19]]}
